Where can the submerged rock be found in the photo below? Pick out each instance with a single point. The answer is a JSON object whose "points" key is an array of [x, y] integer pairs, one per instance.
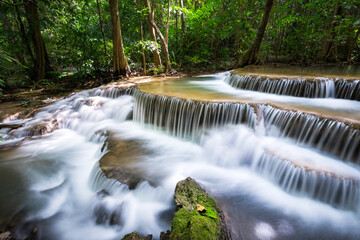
{"points": [[121, 161], [36, 129], [189, 223]]}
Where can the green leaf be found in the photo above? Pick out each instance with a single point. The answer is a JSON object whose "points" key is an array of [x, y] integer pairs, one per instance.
{"points": [[210, 213]]}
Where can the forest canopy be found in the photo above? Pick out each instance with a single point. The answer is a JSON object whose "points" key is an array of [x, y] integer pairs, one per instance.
{"points": [[42, 40]]}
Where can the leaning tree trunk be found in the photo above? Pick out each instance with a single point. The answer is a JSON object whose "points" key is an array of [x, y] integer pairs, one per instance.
{"points": [[159, 34], [165, 46], [251, 55], [121, 66], [42, 65], [150, 17]]}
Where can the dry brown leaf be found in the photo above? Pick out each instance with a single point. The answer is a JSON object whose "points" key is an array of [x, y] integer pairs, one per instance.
{"points": [[200, 208]]}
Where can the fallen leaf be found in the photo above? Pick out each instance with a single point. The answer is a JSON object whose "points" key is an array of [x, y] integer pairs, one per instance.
{"points": [[200, 208]]}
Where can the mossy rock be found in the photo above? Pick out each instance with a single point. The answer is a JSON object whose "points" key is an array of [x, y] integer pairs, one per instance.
{"points": [[188, 223], [136, 236]]}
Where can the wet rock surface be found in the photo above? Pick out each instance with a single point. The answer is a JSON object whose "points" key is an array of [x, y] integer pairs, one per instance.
{"points": [[120, 162], [36, 129], [6, 236]]}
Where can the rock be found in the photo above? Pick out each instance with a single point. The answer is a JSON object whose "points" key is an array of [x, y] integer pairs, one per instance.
{"points": [[6, 236], [120, 162], [165, 235], [38, 129], [9, 125], [32, 235], [188, 223], [136, 236]]}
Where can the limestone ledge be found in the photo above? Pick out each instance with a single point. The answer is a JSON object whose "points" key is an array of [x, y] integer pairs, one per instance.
{"points": [[292, 72]]}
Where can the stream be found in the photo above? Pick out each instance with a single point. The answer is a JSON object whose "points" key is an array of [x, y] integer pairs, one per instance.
{"points": [[276, 165]]}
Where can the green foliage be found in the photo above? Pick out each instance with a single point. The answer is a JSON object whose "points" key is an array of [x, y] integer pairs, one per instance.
{"points": [[2, 84], [25, 103], [150, 46], [215, 31], [156, 70], [210, 213]]}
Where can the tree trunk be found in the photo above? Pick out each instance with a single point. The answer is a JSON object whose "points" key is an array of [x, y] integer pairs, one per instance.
{"points": [[165, 46], [150, 17], [24, 35], [162, 39], [42, 65], [158, 33], [176, 25], [101, 27], [182, 16], [167, 23], [329, 48], [142, 47], [251, 55], [352, 46], [119, 59]]}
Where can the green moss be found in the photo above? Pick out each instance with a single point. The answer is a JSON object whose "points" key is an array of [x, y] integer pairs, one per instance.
{"points": [[188, 223], [136, 236], [132, 236]]}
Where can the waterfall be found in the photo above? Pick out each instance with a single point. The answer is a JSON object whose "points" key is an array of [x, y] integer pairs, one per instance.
{"points": [[297, 170], [112, 92], [335, 190], [186, 118], [298, 87], [334, 137]]}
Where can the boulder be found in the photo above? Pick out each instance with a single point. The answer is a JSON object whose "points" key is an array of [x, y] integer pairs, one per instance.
{"points": [[136, 236], [197, 216], [188, 222]]}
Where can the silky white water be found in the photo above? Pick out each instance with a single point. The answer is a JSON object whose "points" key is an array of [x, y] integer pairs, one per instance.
{"points": [[54, 182], [319, 87]]}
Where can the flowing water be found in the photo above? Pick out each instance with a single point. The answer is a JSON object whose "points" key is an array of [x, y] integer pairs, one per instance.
{"points": [[282, 167]]}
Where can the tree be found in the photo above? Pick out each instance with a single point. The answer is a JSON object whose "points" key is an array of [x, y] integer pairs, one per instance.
{"points": [[119, 59], [42, 64], [183, 24], [329, 49], [251, 55], [101, 26], [150, 17], [158, 33]]}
